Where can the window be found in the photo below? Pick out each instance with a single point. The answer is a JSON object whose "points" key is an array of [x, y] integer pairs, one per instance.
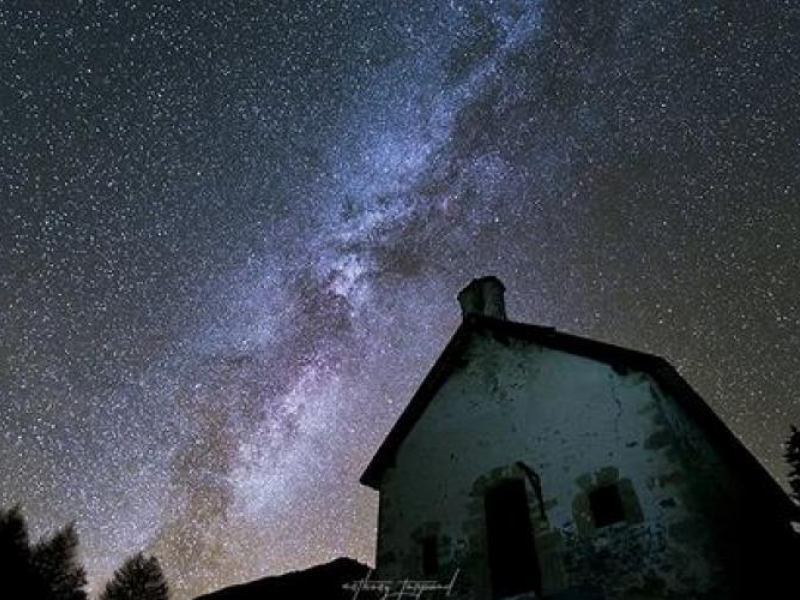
{"points": [[513, 564], [606, 505], [430, 556]]}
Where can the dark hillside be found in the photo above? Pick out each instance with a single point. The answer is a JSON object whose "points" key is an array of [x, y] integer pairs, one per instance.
{"points": [[319, 581]]}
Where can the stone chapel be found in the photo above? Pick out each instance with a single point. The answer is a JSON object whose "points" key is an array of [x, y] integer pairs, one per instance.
{"points": [[541, 464]]}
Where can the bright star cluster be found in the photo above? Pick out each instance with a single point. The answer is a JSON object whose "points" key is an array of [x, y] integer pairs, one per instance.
{"points": [[231, 235]]}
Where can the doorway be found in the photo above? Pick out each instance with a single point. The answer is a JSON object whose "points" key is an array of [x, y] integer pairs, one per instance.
{"points": [[513, 564]]}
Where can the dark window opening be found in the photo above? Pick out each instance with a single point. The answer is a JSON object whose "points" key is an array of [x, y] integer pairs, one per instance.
{"points": [[606, 505], [513, 565], [430, 556]]}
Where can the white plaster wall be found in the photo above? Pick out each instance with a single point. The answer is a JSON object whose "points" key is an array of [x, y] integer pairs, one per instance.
{"points": [[564, 415]]}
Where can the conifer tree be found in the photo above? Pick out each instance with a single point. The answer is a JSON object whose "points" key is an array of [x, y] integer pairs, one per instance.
{"points": [[47, 571], [55, 562], [139, 578], [792, 455], [15, 553]]}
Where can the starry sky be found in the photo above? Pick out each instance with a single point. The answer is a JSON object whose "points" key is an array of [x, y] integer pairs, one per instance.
{"points": [[231, 235]]}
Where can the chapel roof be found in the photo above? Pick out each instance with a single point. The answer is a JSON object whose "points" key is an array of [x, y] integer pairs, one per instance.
{"points": [[619, 358]]}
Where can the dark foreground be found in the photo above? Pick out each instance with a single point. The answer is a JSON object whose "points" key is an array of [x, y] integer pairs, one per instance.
{"points": [[320, 581]]}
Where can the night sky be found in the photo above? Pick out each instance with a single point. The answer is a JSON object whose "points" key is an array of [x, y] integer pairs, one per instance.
{"points": [[231, 236]]}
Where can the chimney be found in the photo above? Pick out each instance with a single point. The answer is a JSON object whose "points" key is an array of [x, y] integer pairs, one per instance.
{"points": [[483, 297]]}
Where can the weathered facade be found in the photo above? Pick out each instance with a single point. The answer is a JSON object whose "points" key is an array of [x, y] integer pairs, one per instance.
{"points": [[537, 462]]}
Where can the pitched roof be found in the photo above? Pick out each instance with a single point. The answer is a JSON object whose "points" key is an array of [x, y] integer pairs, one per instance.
{"points": [[618, 357]]}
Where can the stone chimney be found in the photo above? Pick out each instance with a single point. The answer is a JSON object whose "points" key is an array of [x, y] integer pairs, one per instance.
{"points": [[485, 297]]}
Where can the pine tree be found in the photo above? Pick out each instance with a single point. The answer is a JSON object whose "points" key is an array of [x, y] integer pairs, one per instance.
{"points": [[55, 561], [792, 455], [48, 571], [15, 554], [139, 578]]}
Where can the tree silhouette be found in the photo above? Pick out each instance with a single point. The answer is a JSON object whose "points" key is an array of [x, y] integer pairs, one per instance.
{"points": [[792, 455], [139, 578], [55, 563], [15, 552], [48, 571]]}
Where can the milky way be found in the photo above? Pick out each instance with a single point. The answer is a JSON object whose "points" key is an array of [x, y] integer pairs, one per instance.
{"points": [[231, 235]]}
